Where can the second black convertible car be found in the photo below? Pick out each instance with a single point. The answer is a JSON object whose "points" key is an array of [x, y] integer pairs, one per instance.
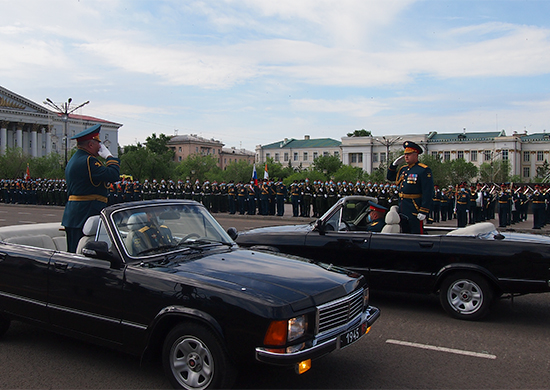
{"points": [[468, 267], [162, 278]]}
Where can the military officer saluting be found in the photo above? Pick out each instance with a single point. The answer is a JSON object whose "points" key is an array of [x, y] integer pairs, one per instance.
{"points": [[87, 183], [415, 184]]}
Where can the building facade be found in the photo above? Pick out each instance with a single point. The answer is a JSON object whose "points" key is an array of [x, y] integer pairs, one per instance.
{"points": [[187, 145], [39, 131], [298, 153], [524, 152]]}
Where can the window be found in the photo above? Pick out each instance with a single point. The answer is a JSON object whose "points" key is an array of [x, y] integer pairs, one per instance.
{"points": [[526, 156], [179, 149], [505, 154], [375, 157], [295, 157], [540, 155], [106, 136], [325, 153], [356, 157], [526, 172], [446, 156], [487, 154], [286, 156], [305, 156], [382, 157], [434, 154], [336, 154], [179, 158], [460, 154], [277, 157], [315, 155], [473, 155], [267, 155]]}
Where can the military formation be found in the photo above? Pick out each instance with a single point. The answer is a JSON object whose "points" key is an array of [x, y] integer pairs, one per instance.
{"points": [[469, 204]]}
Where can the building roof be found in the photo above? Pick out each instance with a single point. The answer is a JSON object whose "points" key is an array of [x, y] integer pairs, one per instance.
{"points": [[304, 143], [240, 152], [461, 137], [535, 137], [193, 138]]}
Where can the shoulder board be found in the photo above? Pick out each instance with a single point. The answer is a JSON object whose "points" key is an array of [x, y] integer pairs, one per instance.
{"points": [[374, 223], [144, 229], [422, 165]]}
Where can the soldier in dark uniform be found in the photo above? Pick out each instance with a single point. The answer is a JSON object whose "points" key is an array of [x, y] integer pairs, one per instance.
{"points": [[280, 197], [436, 206], [87, 183], [307, 196], [295, 197], [504, 200], [538, 201], [416, 186], [376, 217], [231, 197], [462, 202]]}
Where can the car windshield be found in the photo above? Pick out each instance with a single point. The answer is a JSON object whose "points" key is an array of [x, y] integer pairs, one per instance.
{"points": [[163, 228]]}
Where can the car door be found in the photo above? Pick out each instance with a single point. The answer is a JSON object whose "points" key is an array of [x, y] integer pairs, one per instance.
{"points": [[85, 295], [23, 280], [403, 262]]}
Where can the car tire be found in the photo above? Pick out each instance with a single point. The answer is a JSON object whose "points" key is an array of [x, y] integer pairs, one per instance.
{"points": [[466, 296], [4, 324], [194, 358]]}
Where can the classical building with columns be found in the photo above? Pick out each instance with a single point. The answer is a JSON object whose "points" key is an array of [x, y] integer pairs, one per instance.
{"points": [[39, 131]]}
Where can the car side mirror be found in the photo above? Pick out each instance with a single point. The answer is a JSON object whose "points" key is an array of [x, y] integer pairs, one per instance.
{"points": [[233, 233], [100, 250]]}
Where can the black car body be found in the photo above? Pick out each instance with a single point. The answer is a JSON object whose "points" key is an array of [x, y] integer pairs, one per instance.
{"points": [[468, 267], [198, 300]]}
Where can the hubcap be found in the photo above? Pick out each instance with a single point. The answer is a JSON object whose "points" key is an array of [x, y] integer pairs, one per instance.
{"points": [[192, 363], [465, 296]]}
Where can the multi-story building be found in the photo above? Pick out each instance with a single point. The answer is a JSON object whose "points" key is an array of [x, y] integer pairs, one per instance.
{"points": [[187, 145], [39, 131], [298, 153], [524, 152]]}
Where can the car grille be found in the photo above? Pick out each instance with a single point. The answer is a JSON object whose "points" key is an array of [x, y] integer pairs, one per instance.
{"points": [[337, 313]]}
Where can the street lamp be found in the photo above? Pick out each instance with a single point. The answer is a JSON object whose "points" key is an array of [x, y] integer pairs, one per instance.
{"points": [[387, 143], [65, 110]]}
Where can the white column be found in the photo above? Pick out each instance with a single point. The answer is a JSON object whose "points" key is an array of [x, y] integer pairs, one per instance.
{"points": [[19, 136], [3, 136], [48, 140], [34, 141]]}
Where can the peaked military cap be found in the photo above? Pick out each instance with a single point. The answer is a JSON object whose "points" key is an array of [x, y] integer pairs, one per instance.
{"points": [[89, 133], [377, 207], [411, 147]]}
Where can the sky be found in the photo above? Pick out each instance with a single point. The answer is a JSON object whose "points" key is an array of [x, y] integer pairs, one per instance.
{"points": [[253, 72]]}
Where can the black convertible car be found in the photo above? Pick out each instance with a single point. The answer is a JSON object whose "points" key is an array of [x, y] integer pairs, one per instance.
{"points": [[468, 267], [162, 279]]}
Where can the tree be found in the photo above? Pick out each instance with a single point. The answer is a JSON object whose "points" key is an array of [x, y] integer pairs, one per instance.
{"points": [[543, 171], [348, 173], [459, 171], [239, 171], [142, 163], [360, 133], [197, 166], [13, 163], [50, 166], [497, 171], [159, 145], [329, 165]]}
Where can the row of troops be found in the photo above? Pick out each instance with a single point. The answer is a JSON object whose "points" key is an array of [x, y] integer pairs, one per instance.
{"points": [[468, 204], [481, 202]]}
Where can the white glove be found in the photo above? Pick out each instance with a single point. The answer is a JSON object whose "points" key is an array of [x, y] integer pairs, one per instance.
{"points": [[103, 151], [399, 160], [421, 216]]}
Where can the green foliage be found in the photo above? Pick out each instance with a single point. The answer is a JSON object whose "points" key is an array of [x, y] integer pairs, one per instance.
{"points": [[158, 144], [348, 173], [239, 171], [543, 171], [13, 163], [496, 171], [50, 166], [360, 133], [197, 166], [142, 163], [329, 165], [459, 171]]}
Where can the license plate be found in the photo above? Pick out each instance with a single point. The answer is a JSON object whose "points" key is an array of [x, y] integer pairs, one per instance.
{"points": [[353, 335]]}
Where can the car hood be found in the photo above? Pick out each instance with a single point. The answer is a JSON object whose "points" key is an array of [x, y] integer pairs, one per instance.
{"points": [[279, 229], [526, 237], [274, 278]]}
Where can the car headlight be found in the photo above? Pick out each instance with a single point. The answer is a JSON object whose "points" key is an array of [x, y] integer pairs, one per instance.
{"points": [[281, 332], [366, 297]]}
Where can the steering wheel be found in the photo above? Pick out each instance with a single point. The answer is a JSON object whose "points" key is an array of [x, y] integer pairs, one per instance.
{"points": [[190, 235]]}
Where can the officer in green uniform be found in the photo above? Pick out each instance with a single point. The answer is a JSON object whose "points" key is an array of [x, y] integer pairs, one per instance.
{"points": [[416, 186], [87, 183]]}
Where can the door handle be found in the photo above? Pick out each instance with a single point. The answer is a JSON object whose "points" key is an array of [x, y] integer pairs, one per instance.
{"points": [[60, 266], [426, 244]]}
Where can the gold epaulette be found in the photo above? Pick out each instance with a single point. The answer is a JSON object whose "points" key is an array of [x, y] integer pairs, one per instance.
{"points": [[423, 165]]}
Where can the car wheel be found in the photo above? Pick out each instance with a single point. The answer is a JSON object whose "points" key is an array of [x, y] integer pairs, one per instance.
{"points": [[194, 358], [4, 324], [466, 296]]}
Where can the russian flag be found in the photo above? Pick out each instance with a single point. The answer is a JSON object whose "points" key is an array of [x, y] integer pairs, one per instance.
{"points": [[255, 176]]}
